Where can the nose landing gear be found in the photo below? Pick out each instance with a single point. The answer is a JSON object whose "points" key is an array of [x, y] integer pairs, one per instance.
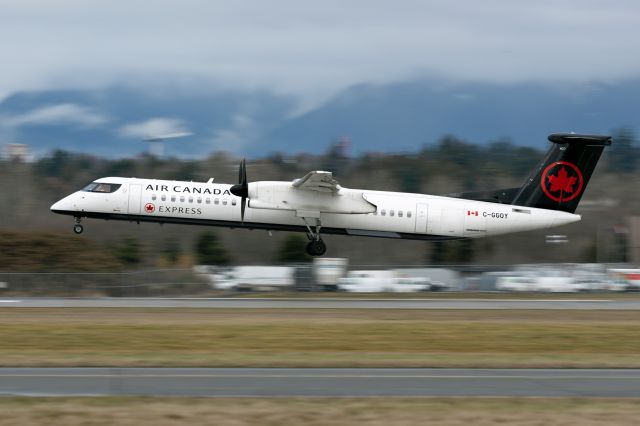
{"points": [[77, 228]]}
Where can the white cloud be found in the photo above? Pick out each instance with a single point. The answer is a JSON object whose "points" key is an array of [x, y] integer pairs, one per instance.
{"points": [[240, 134], [314, 49], [153, 127], [56, 114]]}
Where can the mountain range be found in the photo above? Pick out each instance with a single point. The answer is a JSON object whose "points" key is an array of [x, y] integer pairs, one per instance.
{"points": [[402, 116]]}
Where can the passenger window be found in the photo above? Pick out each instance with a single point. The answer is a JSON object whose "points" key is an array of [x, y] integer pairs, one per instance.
{"points": [[233, 202], [199, 200], [182, 199], [400, 213], [408, 214], [224, 202], [191, 199], [153, 197], [173, 198], [164, 197], [208, 200], [391, 213], [216, 201], [383, 212]]}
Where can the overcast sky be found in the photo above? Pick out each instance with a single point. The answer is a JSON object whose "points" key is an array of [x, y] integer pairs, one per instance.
{"points": [[313, 48]]}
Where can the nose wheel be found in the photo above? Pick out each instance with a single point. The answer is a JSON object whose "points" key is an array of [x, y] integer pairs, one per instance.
{"points": [[77, 228]]}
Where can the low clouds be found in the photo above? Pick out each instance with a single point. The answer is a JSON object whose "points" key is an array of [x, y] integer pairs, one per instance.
{"points": [[61, 114], [314, 49], [157, 126], [238, 136]]}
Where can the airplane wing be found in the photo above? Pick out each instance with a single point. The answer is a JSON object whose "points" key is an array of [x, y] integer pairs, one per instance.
{"points": [[317, 181]]}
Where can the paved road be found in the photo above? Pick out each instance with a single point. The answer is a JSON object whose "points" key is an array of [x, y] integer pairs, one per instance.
{"points": [[321, 303], [272, 382]]}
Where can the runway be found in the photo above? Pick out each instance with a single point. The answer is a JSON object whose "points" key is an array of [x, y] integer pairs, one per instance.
{"points": [[324, 303], [336, 382]]}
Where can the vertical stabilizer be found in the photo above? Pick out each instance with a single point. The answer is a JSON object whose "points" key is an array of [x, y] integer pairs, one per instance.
{"points": [[560, 179]]}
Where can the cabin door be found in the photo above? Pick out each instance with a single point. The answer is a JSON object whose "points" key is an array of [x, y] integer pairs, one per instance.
{"points": [[421, 218], [135, 192]]}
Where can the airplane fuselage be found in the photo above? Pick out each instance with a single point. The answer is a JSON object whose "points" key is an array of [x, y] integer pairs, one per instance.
{"points": [[391, 215]]}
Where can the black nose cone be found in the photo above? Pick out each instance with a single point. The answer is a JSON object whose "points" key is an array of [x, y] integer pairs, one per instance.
{"points": [[240, 190]]}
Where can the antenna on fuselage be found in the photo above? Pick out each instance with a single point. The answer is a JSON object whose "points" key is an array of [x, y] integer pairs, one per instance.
{"points": [[156, 142]]}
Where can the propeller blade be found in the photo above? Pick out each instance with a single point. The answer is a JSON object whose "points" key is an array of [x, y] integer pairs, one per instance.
{"points": [[241, 189]]}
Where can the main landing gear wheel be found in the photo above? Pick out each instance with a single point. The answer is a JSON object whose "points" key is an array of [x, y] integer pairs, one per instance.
{"points": [[316, 248]]}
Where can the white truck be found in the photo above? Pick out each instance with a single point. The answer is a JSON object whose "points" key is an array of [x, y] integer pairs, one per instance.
{"points": [[246, 278], [558, 284], [630, 276], [327, 271], [552, 284], [382, 281]]}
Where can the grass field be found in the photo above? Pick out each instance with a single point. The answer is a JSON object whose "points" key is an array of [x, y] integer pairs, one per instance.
{"points": [[318, 411], [318, 338]]}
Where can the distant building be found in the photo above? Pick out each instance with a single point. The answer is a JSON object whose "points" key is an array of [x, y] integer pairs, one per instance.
{"points": [[17, 152], [633, 240]]}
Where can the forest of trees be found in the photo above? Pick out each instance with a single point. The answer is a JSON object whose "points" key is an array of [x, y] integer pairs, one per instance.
{"points": [[34, 239]]}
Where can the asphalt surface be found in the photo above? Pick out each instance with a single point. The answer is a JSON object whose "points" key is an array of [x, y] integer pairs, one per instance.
{"points": [[322, 303], [278, 382]]}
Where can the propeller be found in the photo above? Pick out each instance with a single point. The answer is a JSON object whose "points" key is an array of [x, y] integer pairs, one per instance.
{"points": [[241, 189]]}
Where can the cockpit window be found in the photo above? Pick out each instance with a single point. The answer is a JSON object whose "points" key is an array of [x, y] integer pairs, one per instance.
{"points": [[102, 187]]}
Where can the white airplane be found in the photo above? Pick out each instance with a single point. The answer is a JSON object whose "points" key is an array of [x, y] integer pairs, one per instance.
{"points": [[316, 202]]}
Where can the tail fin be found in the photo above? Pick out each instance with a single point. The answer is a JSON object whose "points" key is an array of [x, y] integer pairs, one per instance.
{"points": [[559, 181]]}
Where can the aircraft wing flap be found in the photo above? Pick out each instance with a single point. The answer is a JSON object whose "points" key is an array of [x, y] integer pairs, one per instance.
{"points": [[320, 181]]}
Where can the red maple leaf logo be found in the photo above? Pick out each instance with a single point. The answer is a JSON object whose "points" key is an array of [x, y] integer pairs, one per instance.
{"points": [[563, 186], [562, 182], [149, 208]]}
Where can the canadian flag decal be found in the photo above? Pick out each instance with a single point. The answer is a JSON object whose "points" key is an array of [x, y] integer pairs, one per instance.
{"points": [[472, 212]]}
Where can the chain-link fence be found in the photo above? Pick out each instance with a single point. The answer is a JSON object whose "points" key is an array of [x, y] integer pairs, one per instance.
{"points": [[206, 281], [160, 282]]}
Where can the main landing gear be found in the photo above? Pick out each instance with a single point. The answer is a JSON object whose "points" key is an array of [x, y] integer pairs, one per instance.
{"points": [[315, 247], [77, 228]]}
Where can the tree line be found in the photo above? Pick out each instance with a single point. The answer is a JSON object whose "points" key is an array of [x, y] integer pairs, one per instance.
{"points": [[449, 165]]}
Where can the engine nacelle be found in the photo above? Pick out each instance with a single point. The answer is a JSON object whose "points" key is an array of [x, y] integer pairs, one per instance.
{"points": [[283, 196]]}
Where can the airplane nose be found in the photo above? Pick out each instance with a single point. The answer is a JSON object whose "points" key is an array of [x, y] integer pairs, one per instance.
{"points": [[62, 206]]}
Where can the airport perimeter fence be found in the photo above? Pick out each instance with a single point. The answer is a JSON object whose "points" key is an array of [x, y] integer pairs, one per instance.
{"points": [[145, 283], [199, 283]]}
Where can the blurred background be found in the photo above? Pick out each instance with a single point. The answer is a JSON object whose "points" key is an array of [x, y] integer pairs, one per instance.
{"points": [[37, 241], [417, 97], [424, 96]]}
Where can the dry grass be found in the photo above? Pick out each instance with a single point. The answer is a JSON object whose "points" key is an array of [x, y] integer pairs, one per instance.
{"points": [[318, 411], [318, 338]]}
